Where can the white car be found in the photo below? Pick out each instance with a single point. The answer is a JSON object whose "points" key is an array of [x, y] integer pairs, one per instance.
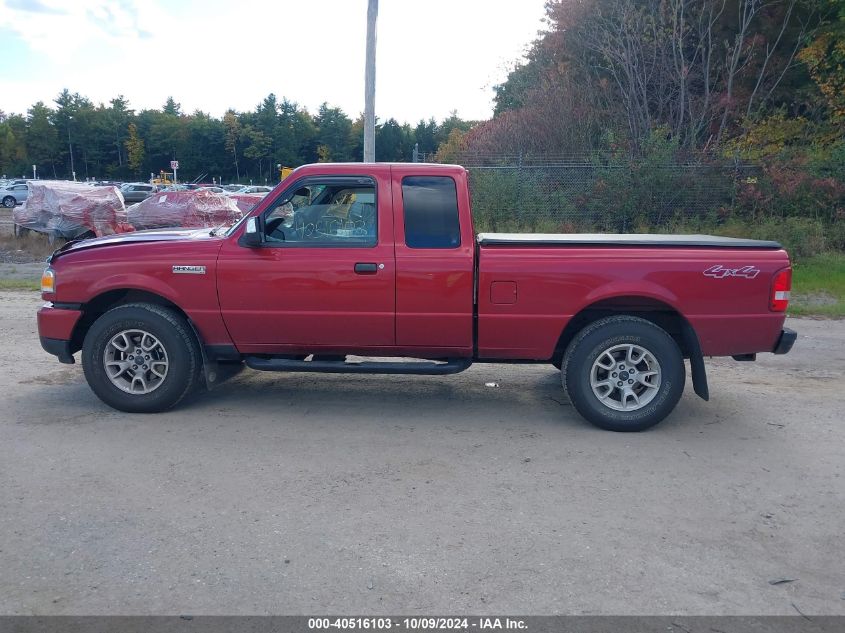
{"points": [[255, 189], [13, 195]]}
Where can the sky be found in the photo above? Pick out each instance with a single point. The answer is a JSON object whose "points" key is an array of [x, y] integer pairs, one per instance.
{"points": [[433, 56]]}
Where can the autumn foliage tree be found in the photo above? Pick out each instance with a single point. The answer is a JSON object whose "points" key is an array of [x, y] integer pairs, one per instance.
{"points": [[703, 69]]}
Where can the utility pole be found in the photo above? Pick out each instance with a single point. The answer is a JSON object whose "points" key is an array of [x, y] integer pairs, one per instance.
{"points": [[370, 85]]}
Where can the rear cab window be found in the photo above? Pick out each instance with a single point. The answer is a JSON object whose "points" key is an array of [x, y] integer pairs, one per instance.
{"points": [[431, 212]]}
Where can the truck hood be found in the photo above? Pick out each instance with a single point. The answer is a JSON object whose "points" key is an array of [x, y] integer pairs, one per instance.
{"points": [[155, 235]]}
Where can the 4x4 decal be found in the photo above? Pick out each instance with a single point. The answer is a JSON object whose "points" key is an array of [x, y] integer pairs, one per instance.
{"points": [[720, 272]]}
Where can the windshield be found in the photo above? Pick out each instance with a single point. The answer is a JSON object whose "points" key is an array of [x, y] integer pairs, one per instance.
{"points": [[233, 227]]}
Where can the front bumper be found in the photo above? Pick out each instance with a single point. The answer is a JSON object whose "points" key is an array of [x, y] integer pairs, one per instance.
{"points": [[786, 341], [58, 347], [55, 329]]}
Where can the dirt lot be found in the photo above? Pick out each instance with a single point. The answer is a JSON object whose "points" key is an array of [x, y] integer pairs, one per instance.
{"points": [[313, 494]]}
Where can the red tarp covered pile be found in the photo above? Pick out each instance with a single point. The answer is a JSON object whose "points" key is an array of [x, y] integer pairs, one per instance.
{"points": [[184, 208], [247, 201], [71, 209]]}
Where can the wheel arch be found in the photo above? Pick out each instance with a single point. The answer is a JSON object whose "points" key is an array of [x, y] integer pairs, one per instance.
{"points": [[105, 301], [651, 309]]}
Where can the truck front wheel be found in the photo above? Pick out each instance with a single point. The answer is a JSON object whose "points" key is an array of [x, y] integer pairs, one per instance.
{"points": [[141, 358], [623, 373]]}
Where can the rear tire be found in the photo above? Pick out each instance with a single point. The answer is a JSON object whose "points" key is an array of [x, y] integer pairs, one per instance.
{"points": [[122, 339], [623, 373], [9, 202]]}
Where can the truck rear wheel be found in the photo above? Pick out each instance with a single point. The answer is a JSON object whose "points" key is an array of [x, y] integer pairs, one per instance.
{"points": [[623, 373], [141, 358]]}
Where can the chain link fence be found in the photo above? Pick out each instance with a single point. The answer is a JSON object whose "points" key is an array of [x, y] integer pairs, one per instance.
{"points": [[600, 194]]}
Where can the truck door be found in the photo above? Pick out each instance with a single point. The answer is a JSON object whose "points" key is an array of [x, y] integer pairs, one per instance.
{"points": [[434, 258], [324, 276]]}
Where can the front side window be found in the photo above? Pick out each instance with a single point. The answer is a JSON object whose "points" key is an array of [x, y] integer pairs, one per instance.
{"points": [[325, 215], [431, 212]]}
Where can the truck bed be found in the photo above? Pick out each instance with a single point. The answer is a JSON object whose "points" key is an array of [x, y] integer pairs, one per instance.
{"points": [[631, 239]]}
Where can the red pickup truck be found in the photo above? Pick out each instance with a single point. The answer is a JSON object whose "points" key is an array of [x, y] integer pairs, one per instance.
{"points": [[381, 260]]}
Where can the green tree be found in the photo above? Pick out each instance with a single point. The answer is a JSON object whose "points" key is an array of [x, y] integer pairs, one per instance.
{"points": [[114, 122], [63, 122], [258, 150], [12, 150], [42, 138], [233, 135], [333, 134], [394, 142], [134, 150], [171, 107], [425, 136]]}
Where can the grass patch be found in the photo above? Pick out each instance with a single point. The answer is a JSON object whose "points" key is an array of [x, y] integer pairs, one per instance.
{"points": [[33, 247], [20, 284], [818, 286]]}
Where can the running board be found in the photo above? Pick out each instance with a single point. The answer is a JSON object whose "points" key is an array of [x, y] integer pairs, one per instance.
{"points": [[421, 368]]}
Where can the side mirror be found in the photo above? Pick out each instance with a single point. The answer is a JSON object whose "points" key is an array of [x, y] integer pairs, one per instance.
{"points": [[251, 237]]}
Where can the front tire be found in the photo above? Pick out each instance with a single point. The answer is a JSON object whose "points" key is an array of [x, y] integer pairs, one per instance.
{"points": [[623, 373], [9, 202], [141, 358]]}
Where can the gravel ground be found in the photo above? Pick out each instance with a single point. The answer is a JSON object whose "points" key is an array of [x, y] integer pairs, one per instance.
{"points": [[328, 493]]}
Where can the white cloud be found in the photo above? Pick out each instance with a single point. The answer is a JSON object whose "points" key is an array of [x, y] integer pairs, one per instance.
{"points": [[58, 29]]}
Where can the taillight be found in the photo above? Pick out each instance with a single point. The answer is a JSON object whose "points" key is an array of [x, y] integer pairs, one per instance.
{"points": [[781, 285]]}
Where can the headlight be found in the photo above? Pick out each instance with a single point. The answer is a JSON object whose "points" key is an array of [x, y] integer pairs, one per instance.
{"points": [[48, 281]]}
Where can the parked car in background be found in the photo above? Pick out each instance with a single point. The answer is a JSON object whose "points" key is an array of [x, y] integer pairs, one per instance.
{"points": [[256, 189], [246, 201], [233, 188], [212, 188], [137, 191], [13, 195]]}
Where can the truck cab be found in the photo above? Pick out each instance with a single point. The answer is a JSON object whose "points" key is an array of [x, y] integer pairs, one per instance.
{"points": [[367, 261]]}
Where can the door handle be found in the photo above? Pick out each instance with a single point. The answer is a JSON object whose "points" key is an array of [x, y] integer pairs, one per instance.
{"points": [[363, 268]]}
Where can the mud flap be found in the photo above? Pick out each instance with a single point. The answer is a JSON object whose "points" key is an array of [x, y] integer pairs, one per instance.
{"points": [[696, 362], [214, 372]]}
